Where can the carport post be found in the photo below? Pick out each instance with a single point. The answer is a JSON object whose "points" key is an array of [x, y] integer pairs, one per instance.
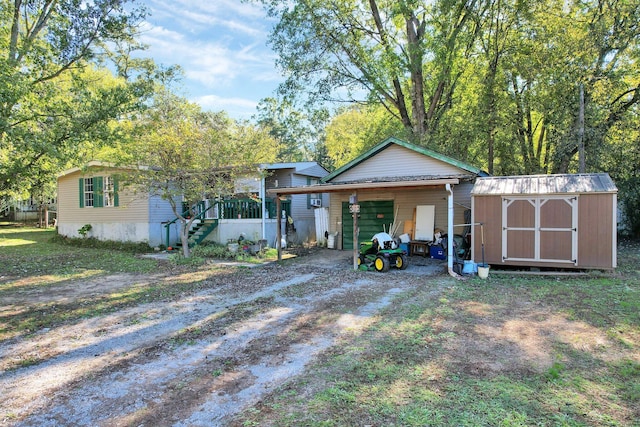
{"points": [[356, 231], [450, 233], [278, 228]]}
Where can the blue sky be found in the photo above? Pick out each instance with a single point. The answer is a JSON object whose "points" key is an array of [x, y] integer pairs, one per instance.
{"points": [[221, 46]]}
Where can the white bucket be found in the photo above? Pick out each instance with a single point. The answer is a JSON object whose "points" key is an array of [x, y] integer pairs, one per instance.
{"points": [[331, 241], [483, 271], [233, 247]]}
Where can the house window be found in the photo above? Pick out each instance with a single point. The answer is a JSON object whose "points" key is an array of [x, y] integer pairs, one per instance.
{"points": [[313, 200], [109, 191], [98, 192], [88, 192]]}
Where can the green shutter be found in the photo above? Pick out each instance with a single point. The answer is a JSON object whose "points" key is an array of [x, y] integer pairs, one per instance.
{"points": [[98, 193], [81, 182], [115, 192]]}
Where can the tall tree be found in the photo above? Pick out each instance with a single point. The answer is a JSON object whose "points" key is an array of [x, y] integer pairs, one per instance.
{"points": [[401, 54], [184, 154], [52, 100], [357, 129], [299, 133]]}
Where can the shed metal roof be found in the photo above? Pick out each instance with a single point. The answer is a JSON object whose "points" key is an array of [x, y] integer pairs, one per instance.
{"points": [[544, 184]]}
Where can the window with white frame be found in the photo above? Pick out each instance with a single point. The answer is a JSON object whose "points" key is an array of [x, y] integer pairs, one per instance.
{"points": [[88, 192], [109, 191], [98, 192]]}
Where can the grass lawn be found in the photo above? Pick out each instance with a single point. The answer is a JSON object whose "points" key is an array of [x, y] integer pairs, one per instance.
{"points": [[506, 351], [33, 252]]}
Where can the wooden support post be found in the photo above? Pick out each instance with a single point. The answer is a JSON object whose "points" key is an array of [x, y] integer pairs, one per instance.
{"points": [[278, 227], [356, 231]]}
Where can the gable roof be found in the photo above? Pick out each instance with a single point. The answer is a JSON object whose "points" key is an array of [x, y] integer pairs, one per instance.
{"points": [[301, 168], [91, 164], [545, 184], [395, 141]]}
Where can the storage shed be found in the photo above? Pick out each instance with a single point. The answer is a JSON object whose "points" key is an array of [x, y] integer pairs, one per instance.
{"points": [[560, 221]]}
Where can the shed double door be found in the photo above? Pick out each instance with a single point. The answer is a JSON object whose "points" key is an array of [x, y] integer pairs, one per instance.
{"points": [[541, 229]]}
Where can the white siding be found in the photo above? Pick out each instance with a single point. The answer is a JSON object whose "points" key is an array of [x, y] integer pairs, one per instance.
{"points": [[398, 161]]}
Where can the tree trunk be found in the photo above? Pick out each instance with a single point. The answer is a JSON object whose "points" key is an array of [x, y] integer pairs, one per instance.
{"points": [[184, 237]]}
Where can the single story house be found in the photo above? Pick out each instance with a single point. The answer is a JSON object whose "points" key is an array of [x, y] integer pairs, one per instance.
{"points": [[557, 221], [395, 186], [92, 195]]}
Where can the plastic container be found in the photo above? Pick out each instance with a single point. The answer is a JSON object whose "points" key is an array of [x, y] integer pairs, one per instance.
{"points": [[405, 238], [437, 252], [483, 271], [331, 240], [469, 267]]}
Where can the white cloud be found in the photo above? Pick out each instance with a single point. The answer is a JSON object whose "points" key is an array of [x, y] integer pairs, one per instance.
{"points": [[236, 107], [220, 45]]}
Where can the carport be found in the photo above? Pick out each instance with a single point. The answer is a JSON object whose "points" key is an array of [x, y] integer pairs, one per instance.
{"points": [[354, 190]]}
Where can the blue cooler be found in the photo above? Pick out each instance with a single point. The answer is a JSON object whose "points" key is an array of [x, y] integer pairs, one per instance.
{"points": [[437, 252], [405, 248]]}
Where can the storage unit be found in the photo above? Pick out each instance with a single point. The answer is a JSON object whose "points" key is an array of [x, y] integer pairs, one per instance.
{"points": [[561, 221]]}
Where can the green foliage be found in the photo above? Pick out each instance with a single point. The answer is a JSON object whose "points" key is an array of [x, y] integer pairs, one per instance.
{"points": [[489, 83], [403, 56], [355, 130], [84, 230], [187, 154], [299, 135], [56, 104], [129, 247]]}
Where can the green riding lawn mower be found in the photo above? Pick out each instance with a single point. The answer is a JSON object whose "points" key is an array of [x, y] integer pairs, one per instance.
{"points": [[381, 253]]}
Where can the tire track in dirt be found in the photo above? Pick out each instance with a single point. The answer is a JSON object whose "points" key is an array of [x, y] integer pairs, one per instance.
{"points": [[138, 379], [97, 344]]}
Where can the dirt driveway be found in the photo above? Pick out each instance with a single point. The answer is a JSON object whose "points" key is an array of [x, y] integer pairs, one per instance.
{"points": [[194, 360]]}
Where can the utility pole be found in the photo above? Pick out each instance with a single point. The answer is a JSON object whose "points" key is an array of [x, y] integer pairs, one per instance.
{"points": [[581, 154]]}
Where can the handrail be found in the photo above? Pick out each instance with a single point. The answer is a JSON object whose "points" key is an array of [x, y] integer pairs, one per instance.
{"points": [[198, 206], [242, 208]]}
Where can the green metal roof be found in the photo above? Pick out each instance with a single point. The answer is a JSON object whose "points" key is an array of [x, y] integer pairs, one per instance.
{"points": [[389, 141]]}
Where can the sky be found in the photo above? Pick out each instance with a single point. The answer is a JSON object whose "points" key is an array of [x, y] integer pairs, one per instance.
{"points": [[221, 46]]}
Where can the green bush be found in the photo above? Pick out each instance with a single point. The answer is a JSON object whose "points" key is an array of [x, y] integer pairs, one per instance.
{"points": [[92, 242]]}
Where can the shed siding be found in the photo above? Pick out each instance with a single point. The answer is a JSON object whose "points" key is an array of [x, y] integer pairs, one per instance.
{"points": [[595, 245], [397, 161], [488, 211], [595, 241]]}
